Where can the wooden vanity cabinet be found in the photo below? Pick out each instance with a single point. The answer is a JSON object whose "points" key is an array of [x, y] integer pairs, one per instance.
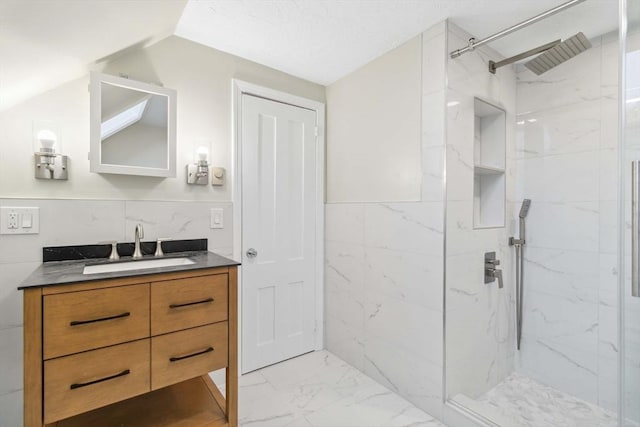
{"points": [[133, 351]]}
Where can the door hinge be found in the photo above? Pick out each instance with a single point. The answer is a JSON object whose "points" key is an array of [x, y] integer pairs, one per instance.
{"points": [[316, 131]]}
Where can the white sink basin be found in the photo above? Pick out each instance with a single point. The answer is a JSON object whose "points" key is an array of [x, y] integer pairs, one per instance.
{"points": [[136, 265]]}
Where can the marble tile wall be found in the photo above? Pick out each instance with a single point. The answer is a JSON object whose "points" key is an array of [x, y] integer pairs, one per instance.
{"points": [[566, 157], [479, 316], [384, 266], [67, 222]]}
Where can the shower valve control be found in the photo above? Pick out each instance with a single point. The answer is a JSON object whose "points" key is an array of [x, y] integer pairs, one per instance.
{"points": [[491, 273]]}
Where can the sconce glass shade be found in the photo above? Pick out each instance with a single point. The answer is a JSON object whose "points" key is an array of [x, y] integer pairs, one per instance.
{"points": [[47, 139], [202, 154], [198, 172], [49, 163]]}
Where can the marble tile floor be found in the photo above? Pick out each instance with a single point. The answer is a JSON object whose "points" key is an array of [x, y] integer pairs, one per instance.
{"points": [[520, 401], [320, 390]]}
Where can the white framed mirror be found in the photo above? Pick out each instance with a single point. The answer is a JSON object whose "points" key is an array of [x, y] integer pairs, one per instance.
{"points": [[133, 127]]}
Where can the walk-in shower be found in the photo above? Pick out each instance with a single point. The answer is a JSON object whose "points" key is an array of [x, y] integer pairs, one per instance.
{"points": [[544, 350]]}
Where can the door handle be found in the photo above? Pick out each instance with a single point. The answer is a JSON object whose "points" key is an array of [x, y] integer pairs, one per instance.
{"points": [[252, 253], [635, 228]]}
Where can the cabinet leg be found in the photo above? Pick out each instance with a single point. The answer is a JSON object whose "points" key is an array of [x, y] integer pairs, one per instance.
{"points": [[33, 414], [232, 369]]}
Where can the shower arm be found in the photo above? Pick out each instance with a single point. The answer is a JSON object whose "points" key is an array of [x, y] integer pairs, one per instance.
{"points": [[473, 43], [493, 66]]}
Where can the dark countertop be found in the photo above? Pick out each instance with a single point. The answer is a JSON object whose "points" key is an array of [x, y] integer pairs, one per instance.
{"points": [[65, 272]]}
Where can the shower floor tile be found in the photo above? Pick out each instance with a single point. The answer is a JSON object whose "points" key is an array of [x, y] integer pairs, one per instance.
{"points": [[521, 401]]}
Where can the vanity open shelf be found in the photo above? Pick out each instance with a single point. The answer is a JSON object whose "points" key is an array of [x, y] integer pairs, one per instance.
{"points": [[200, 404], [132, 350]]}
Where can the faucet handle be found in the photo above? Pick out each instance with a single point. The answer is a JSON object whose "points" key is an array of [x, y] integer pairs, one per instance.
{"points": [[114, 255], [159, 241], [114, 248], [498, 275], [139, 234]]}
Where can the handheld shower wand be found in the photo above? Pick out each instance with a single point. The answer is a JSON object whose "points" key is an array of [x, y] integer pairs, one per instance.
{"points": [[524, 210]]}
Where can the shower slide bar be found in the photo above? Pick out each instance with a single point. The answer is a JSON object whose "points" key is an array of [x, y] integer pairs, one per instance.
{"points": [[474, 44], [519, 246]]}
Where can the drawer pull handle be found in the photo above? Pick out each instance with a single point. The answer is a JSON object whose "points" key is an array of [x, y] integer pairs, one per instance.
{"points": [[204, 301], [101, 319], [175, 359], [120, 374]]}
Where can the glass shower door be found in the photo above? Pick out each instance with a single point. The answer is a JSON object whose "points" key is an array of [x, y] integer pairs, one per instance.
{"points": [[630, 286]]}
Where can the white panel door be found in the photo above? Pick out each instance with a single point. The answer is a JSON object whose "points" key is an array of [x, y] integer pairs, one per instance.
{"points": [[278, 231]]}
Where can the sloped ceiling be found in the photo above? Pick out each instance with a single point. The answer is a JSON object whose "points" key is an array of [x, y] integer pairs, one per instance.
{"points": [[44, 43], [48, 42]]}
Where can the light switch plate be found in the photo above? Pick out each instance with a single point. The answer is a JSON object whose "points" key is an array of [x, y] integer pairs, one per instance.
{"points": [[217, 218], [19, 220], [217, 176]]}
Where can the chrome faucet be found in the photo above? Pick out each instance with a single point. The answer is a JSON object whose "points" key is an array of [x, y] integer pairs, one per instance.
{"points": [[137, 252]]}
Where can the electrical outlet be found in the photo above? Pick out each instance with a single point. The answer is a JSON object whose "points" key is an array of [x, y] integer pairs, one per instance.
{"points": [[19, 220], [12, 220]]}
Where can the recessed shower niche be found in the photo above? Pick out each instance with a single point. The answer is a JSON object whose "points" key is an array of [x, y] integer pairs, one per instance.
{"points": [[489, 165]]}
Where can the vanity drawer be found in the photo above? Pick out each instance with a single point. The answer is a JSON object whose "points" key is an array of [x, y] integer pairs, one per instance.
{"points": [[86, 320], [186, 303], [187, 354], [85, 381]]}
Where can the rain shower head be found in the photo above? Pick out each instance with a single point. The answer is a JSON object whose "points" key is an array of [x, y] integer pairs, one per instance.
{"points": [[558, 54], [524, 210], [551, 54]]}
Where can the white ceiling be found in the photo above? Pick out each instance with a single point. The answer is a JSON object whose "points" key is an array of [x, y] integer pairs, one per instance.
{"points": [[323, 40], [44, 43]]}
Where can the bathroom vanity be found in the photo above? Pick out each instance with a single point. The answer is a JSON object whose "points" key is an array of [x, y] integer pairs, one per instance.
{"points": [[131, 347]]}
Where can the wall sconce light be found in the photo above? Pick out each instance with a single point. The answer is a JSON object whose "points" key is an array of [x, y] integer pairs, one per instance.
{"points": [[48, 163], [198, 172]]}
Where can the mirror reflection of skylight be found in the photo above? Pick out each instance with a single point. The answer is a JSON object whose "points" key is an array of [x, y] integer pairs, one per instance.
{"points": [[123, 119]]}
